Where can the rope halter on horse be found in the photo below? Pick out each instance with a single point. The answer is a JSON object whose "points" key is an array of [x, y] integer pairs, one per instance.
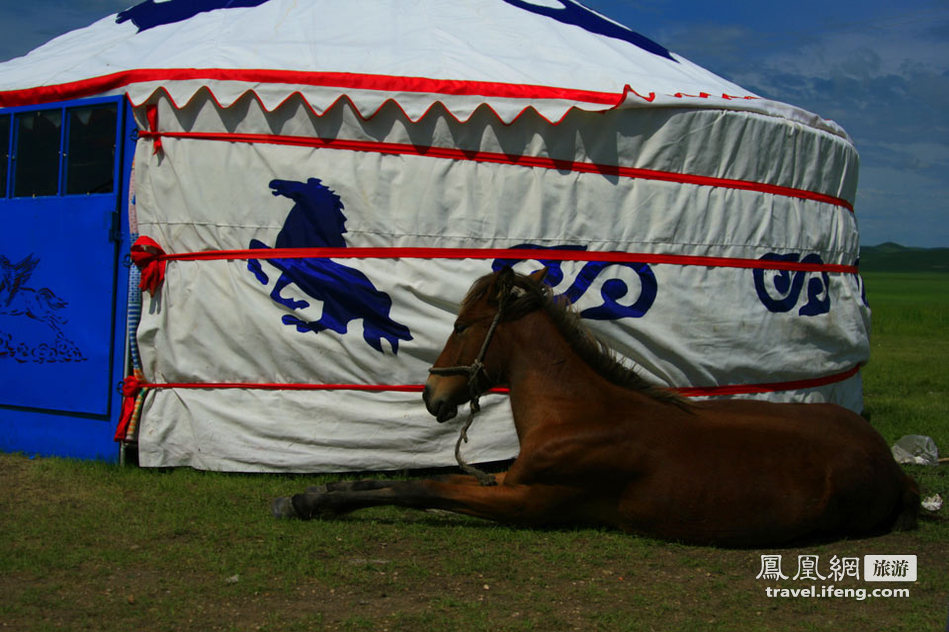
{"points": [[476, 373]]}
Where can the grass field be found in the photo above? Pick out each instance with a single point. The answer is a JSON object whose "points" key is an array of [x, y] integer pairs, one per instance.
{"points": [[906, 383], [89, 546]]}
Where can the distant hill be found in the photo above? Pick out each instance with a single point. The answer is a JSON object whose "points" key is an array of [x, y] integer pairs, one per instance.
{"points": [[890, 257]]}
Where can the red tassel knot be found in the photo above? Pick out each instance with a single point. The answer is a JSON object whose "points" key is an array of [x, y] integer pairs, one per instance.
{"points": [[131, 387], [151, 113], [149, 257]]}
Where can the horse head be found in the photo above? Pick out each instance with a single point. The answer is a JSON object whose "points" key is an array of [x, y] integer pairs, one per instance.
{"points": [[316, 219], [470, 364]]}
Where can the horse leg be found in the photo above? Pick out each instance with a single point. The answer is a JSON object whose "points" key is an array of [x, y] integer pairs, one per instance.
{"points": [[283, 507], [254, 266], [513, 504], [303, 326], [276, 295], [371, 484]]}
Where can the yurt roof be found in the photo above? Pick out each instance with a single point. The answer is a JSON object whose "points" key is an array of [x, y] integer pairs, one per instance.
{"points": [[510, 55]]}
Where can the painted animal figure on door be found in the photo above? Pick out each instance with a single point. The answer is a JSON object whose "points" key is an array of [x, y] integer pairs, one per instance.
{"points": [[16, 299], [600, 446]]}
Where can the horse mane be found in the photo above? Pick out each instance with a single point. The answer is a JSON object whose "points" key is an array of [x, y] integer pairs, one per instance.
{"points": [[528, 295]]}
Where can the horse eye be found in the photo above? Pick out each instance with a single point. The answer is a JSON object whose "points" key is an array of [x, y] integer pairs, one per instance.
{"points": [[460, 327]]}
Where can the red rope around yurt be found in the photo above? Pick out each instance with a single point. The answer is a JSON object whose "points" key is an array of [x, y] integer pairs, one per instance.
{"points": [[454, 153], [151, 259], [134, 388], [134, 385]]}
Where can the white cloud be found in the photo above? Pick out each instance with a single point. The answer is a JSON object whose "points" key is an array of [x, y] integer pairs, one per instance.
{"points": [[885, 81], [907, 206]]}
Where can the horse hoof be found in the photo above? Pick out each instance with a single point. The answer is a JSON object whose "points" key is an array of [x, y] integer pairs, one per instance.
{"points": [[283, 508]]}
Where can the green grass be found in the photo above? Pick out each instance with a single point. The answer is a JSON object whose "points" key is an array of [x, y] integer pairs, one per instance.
{"points": [[98, 547], [906, 383]]}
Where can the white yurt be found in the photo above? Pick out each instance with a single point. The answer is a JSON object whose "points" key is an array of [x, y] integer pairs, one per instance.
{"points": [[315, 185]]}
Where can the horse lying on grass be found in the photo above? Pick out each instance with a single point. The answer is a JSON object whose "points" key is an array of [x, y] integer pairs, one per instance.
{"points": [[600, 446]]}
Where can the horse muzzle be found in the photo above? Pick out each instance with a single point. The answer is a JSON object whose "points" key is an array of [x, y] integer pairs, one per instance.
{"points": [[440, 407]]}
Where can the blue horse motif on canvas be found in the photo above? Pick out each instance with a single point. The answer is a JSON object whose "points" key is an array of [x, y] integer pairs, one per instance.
{"points": [[632, 305], [317, 221], [149, 14], [575, 14]]}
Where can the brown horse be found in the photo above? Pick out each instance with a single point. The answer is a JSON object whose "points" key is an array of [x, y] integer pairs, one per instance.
{"points": [[600, 446]]}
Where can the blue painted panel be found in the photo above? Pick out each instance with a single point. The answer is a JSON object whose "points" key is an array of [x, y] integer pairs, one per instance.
{"points": [[62, 331], [55, 434], [56, 306]]}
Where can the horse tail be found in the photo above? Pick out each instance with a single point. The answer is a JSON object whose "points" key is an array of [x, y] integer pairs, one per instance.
{"points": [[907, 512], [391, 331]]}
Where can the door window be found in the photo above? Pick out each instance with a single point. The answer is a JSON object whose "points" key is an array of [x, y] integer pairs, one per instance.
{"points": [[59, 151], [90, 149], [38, 139]]}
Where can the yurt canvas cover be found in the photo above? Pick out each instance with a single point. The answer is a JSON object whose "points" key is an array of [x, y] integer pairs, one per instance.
{"points": [[317, 184]]}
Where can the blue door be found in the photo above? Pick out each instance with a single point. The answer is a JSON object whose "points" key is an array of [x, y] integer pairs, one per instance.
{"points": [[63, 200]]}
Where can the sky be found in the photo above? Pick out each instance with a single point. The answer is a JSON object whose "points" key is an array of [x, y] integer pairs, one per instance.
{"points": [[879, 68]]}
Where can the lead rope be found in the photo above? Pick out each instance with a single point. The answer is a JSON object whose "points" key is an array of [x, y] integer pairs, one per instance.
{"points": [[486, 480], [474, 370]]}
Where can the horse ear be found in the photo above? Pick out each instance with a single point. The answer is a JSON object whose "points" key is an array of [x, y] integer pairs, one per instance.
{"points": [[504, 283], [539, 275]]}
